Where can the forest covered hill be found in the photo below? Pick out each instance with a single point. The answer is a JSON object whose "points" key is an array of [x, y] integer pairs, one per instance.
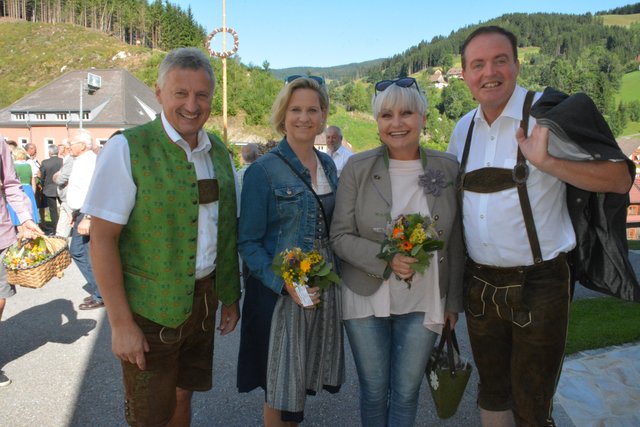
{"points": [[589, 53]]}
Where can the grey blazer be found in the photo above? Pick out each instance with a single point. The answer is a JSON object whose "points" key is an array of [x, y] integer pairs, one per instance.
{"points": [[363, 206]]}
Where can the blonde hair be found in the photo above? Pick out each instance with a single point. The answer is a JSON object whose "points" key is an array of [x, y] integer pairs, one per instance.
{"points": [[409, 98], [19, 153], [279, 108]]}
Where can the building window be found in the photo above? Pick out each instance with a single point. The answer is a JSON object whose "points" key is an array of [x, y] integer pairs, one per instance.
{"points": [[23, 141], [20, 116], [62, 116], [41, 116], [85, 115], [48, 142]]}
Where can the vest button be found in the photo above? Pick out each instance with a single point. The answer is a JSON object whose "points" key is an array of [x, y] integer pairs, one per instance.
{"points": [[195, 202], [189, 166], [192, 257], [436, 217], [194, 220], [190, 292], [193, 184]]}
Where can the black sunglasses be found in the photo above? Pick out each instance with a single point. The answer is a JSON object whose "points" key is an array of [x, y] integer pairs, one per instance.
{"points": [[317, 79], [382, 85]]}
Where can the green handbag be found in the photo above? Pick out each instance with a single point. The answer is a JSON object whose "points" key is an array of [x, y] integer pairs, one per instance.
{"points": [[447, 374]]}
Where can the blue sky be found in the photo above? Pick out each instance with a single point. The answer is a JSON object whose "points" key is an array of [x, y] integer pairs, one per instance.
{"points": [[324, 33]]}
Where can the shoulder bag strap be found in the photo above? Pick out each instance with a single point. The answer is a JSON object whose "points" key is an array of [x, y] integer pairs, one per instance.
{"points": [[324, 215]]}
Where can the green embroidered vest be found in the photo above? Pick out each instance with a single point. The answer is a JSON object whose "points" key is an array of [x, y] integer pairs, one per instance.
{"points": [[158, 244]]}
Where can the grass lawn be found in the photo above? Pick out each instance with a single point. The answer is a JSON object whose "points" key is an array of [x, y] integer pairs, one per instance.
{"points": [[629, 88], [621, 20], [602, 322], [634, 244]]}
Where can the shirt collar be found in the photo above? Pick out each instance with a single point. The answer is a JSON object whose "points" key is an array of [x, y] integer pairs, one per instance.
{"points": [[513, 109], [174, 136]]}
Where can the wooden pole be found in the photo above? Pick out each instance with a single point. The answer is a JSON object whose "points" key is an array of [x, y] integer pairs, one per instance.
{"points": [[224, 73]]}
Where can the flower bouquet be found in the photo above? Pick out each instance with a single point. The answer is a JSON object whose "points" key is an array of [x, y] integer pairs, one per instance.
{"points": [[301, 270], [32, 263], [413, 235]]}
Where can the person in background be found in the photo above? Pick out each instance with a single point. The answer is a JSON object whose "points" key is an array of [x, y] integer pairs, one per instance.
{"points": [[61, 178], [164, 245], [517, 282], [250, 153], [339, 153], [11, 144], [287, 202], [36, 183], [84, 163], [48, 169], [25, 175], [12, 194], [392, 327]]}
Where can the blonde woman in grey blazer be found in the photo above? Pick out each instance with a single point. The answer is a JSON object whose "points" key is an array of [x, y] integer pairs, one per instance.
{"points": [[392, 326]]}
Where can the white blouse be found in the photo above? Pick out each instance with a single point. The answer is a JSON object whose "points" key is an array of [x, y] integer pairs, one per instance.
{"points": [[394, 296]]}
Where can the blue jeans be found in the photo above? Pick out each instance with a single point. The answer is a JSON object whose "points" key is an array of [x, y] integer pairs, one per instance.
{"points": [[79, 250], [391, 354]]}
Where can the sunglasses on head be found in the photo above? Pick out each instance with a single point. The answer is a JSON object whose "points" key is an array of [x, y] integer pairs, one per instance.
{"points": [[382, 85], [317, 79]]}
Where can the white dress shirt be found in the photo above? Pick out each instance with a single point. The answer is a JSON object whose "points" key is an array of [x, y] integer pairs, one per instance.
{"points": [[340, 157], [113, 170], [80, 178], [494, 227]]}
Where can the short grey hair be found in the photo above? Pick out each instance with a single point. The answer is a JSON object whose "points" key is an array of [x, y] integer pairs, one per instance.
{"points": [[53, 150], [250, 152], [82, 135], [409, 98], [185, 57]]}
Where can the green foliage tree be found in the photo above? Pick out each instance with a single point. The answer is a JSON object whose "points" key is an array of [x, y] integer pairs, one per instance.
{"points": [[456, 100]]}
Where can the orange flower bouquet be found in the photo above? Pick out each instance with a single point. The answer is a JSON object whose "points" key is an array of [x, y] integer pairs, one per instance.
{"points": [[413, 235]]}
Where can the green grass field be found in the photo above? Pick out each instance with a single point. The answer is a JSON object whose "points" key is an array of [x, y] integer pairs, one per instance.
{"points": [[602, 322], [621, 20], [358, 128], [630, 88]]}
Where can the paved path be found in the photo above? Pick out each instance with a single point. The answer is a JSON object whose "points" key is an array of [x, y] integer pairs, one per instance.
{"points": [[64, 374]]}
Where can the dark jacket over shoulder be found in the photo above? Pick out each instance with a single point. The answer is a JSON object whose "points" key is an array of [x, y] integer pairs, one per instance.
{"points": [[600, 260]]}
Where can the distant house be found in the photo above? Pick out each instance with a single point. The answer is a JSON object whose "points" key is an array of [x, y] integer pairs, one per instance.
{"points": [[631, 148], [454, 73], [633, 211], [437, 79], [47, 115]]}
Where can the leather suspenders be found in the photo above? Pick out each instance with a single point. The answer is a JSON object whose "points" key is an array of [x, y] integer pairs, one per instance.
{"points": [[491, 180]]}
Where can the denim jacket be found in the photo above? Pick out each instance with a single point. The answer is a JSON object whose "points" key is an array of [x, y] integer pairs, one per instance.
{"points": [[278, 211]]}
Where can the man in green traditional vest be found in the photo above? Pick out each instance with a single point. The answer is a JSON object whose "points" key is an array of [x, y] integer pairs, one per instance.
{"points": [[163, 245]]}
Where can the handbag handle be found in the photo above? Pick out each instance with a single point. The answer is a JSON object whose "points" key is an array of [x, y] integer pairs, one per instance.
{"points": [[448, 337]]}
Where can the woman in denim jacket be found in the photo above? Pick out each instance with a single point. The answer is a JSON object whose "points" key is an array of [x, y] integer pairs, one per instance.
{"points": [[286, 349]]}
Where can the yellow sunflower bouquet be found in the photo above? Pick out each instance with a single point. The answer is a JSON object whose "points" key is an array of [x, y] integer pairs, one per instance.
{"points": [[413, 235], [301, 269]]}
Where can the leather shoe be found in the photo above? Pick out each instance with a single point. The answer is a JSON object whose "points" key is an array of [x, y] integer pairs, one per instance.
{"points": [[88, 299], [90, 305]]}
